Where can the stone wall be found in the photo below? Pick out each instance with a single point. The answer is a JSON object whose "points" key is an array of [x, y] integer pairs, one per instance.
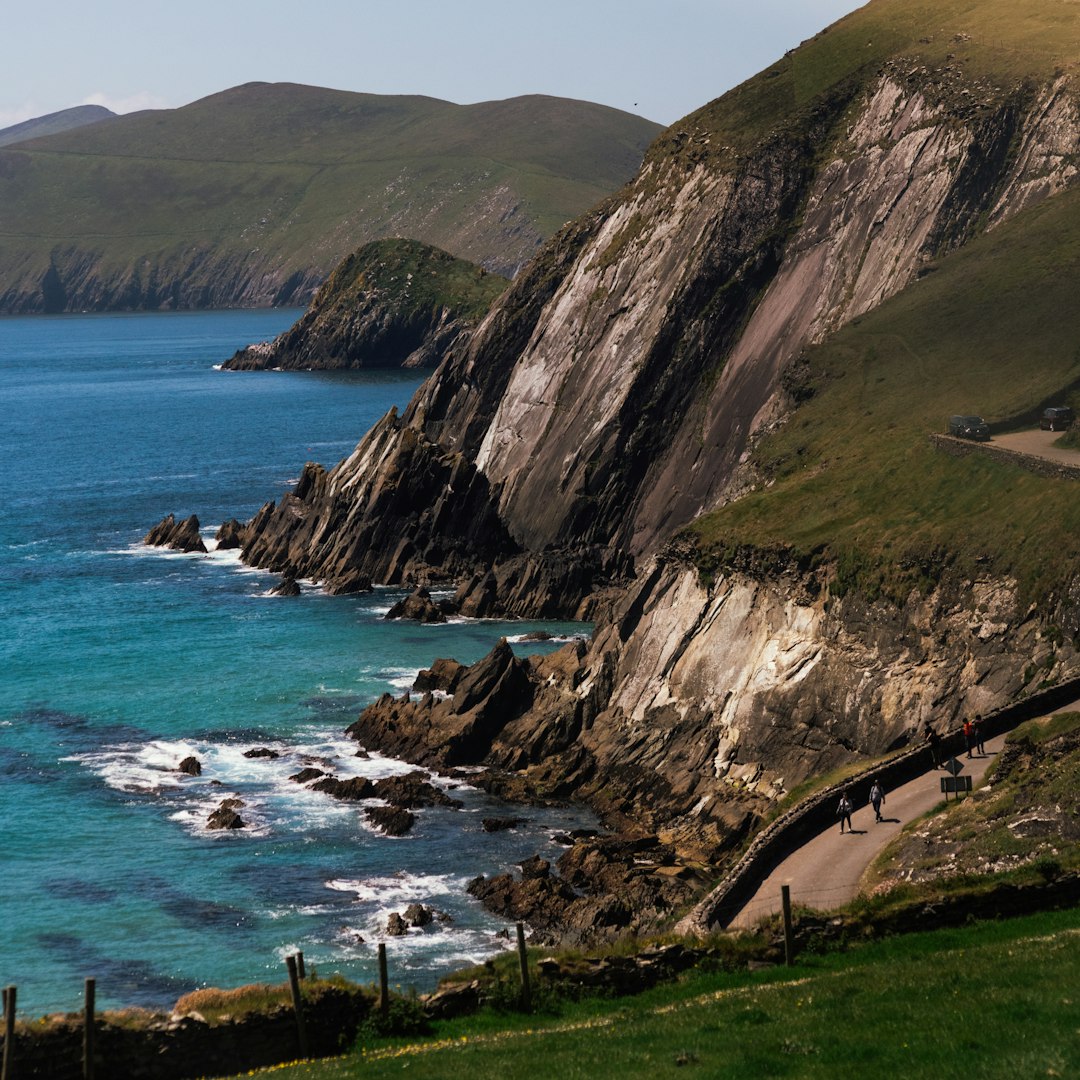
{"points": [[178, 1047], [1056, 470]]}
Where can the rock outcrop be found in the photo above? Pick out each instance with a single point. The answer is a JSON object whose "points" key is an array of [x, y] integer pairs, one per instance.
{"points": [[177, 535], [393, 303]]}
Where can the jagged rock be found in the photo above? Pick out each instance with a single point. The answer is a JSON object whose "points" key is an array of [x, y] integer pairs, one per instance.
{"points": [[305, 776], [191, 766], [261, 752], [396, 926], [419, 607], [351, 790], [289, 587], [443, 675], [412, 790], [418, 915], [392, 820], [230, 535], [535, 867], [179, 536], [348, 583]]}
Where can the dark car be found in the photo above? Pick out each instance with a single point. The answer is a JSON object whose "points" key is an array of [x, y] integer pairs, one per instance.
{"points": [[1059, 418], [969, 427]]}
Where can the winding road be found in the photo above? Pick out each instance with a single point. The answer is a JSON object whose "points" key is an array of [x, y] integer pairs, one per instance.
{"points": [[825, 872]]}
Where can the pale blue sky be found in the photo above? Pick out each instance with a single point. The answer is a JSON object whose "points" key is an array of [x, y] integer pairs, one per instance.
{"points": [[661, 59]]}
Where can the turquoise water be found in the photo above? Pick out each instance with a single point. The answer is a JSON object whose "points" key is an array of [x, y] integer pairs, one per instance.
{"points": [[117, 661]]}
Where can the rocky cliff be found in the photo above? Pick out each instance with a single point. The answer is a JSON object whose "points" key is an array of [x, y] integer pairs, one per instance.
{"points": [[392, 303], [621, 388]]}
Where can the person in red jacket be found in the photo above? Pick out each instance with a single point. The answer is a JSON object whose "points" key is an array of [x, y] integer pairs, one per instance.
{"points": [[969, 735]]}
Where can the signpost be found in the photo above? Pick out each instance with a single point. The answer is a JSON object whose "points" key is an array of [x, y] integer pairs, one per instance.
{"points": [[955, 782]]}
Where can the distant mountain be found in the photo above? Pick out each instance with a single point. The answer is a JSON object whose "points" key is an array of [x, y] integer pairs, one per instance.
{"points": [[252, 196], [54, 123], [393, 303]]}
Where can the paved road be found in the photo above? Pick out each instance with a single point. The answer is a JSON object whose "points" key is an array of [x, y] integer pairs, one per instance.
{"points": [[1039, 444], [825, 872]]}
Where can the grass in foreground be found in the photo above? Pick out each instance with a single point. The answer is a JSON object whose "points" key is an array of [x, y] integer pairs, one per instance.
{"points": [[993, 1000]]}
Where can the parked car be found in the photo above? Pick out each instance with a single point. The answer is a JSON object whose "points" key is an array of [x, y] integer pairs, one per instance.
{"points": [[1058, 418], [969, 427]]}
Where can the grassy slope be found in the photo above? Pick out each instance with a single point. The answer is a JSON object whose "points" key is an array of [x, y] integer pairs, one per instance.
{"points": [[995, 1000], [1002, 41], [855, 477], [303, 170], [413, 277]]}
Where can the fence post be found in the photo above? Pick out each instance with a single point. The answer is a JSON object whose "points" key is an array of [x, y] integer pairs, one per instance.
{"points": [[9, 1034], [523, 963], [298, 1005], [300, 969], [384, 984], [88, 1030], [789, 937]]}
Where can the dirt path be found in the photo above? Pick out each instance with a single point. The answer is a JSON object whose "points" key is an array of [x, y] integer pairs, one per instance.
{"points": [[825, 872], [1039, 444]]}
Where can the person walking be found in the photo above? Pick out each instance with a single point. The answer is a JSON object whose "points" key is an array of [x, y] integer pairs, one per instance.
{"points": [[980, 748], [877, 798], [843, 811], [969, 735], [933, 740]]}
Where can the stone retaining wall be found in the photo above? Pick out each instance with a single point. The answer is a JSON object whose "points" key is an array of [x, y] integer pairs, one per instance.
{"points": [[167, 1048], [1056, 470]]}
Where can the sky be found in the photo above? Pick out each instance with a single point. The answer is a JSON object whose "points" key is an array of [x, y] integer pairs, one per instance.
{"points": [[661, 59]]}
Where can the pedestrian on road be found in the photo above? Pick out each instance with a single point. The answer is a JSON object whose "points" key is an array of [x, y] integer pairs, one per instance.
{"points": [[843, 811], [877, 798], [980, 748], [933, 740], [969, 735]]}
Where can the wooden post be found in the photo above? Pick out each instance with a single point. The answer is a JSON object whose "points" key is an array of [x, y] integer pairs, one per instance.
{"points": [[789, 937], [88, 1031], [298, 1005], [300, 969], [9, 1034], [523, 963], [384, 983]]}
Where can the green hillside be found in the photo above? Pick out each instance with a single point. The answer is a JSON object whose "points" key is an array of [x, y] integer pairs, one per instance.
{"points": [[255, 194], [853, 476], [53, 123]]}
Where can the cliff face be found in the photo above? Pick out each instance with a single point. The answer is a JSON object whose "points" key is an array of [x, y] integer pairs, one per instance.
{"points": [[393, 303], [612, 395], [615, 393]]}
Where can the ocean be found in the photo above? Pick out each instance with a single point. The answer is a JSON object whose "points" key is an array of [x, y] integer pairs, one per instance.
{"points": [[118, 661]]}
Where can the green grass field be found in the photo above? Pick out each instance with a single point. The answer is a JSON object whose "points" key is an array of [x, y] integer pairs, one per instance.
{"points": [[997, 1000]]}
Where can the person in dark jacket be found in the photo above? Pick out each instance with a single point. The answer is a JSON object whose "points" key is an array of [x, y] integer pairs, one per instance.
{"points": [[877, 798], [933, 740]]}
